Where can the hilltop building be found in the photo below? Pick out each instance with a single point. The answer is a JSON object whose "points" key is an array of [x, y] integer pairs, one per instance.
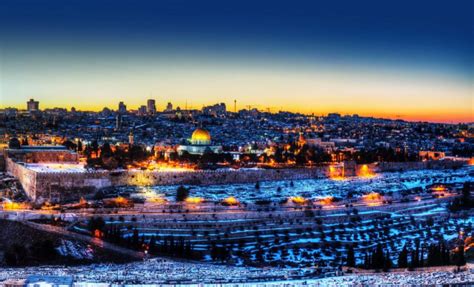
{"points": [[122, 108], [199, 144], [32, 105], [151, 106], [217, 110]]}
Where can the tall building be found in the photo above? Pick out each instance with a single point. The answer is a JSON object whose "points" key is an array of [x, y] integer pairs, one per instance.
{"points": [[32, 105], [142, 110], [151, 107], [169, 107], [217, 110], [122, 108]]}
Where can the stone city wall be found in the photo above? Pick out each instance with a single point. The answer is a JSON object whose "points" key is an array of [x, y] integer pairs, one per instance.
{"points": [[66, 186], [37, 156], [27, 177], [215, 177]]}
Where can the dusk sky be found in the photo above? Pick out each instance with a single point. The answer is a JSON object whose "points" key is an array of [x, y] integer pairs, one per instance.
{"points": [[399, 59]]}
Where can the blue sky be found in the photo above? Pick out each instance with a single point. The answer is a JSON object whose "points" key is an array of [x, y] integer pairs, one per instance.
{"points": [[221, 50]]}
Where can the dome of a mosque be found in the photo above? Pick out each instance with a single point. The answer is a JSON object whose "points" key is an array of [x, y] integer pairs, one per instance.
{"points": [[201, 136]]}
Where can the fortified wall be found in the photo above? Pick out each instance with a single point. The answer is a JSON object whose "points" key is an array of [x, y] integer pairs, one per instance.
{"points": [[64, 186], [67, 186], [36, 154], [27, 177]]}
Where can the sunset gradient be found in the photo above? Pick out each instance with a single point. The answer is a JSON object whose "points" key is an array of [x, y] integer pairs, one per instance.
{"points": [[305, 58]]}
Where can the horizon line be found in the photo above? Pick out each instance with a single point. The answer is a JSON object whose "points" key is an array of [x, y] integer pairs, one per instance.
{"points": [[312, 113]]}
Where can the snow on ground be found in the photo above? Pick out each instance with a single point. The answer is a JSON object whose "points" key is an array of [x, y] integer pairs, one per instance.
{"points": [[398, 279], [75, 250], [56, 167], [154, 272], [318, 188]]}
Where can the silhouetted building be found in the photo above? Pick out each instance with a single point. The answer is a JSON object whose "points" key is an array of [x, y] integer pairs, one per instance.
{"points": [[169, 107], [151, 106], [216, 110], [122, 108], [32, 105], [142, 110]]}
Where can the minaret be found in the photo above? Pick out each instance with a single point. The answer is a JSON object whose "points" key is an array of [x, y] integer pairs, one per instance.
{"points": [[130, 138], [118, 122], [235, 106]]}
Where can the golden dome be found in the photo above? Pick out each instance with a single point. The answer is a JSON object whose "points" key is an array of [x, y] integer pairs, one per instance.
{"points": [[201, 136]]}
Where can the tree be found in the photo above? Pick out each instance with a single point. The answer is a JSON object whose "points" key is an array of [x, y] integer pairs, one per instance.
{"points": [[182, 193], [403, 258], [415, 256], [95, 146], [105, 150], [459, 258], [466, 195], [79, 146], [387, 262], [14, 144], [378, 258], [350, 257], [135, 237], [69, 145]]}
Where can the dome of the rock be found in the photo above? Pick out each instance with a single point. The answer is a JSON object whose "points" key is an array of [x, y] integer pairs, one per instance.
{"points": [[201, 137]]}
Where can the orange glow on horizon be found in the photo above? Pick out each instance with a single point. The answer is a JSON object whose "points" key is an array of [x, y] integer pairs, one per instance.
{"points": [[420, 115]]}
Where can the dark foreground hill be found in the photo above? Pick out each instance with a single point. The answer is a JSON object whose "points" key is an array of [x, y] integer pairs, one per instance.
{"points": [[21, 245]]}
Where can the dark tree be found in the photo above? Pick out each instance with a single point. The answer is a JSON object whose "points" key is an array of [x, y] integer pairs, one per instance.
{"points": [[459, 258], [69, 145], [350, 257], [105, 150], [182, 193], [403, 258], [14, 143]]}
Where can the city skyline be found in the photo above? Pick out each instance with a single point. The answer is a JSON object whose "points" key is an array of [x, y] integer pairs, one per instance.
{"points": [[237, 143], [230, 106], [408, 61]]}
